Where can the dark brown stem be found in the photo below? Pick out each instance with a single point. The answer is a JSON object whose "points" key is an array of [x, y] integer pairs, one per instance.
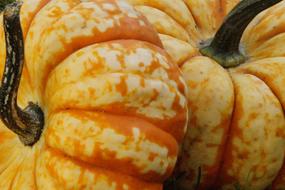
{"points": [[4, 3], [225, 47], [27, 123]]}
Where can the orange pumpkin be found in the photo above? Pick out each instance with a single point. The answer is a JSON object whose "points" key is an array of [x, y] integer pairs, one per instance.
{"points": [[236, 95], [99, 106]]}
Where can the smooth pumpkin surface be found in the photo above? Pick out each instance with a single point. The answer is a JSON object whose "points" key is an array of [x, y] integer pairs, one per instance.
{"points": [[236, 128], [114, 102]]}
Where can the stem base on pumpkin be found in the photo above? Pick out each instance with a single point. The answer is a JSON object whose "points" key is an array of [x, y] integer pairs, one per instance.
{"points": [[225, 46], [27, 123], [226, 59]]}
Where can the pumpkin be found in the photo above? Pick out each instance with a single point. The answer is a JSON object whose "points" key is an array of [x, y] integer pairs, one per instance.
{"points": [[235, 71], [89, 99]]}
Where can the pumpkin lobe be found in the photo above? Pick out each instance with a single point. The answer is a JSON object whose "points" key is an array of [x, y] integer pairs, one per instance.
{"points": [[225, 46], [27, 123]]}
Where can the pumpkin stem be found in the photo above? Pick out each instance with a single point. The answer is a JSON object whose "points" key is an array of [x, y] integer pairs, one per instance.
{"points": [[225, 46], [4, 3], [27, 123]]}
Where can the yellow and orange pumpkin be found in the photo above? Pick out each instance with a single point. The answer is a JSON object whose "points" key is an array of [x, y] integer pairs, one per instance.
{"points": [[236, 130], [99, 106]]}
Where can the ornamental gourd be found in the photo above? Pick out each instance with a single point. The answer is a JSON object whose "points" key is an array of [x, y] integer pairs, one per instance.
{"points": [[88, 100], [235, 72]]}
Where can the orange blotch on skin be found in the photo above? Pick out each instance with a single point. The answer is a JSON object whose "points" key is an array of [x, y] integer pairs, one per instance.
{"points": [[122, 87], [4, 136]]}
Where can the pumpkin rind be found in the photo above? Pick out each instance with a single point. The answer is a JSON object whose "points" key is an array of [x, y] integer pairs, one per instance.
{"points": [[222, 110], [114, 103]]}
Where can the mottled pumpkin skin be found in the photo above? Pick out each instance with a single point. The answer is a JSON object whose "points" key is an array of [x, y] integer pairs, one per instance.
{"points": [[114, 102], [236, 128]]}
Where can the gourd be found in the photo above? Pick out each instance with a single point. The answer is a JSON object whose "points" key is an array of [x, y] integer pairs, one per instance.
{"points": [[235, 72], [89, 99]]}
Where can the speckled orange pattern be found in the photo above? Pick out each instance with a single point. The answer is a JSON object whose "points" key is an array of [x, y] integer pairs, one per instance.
{"points": [[114, 101], [236, 126]]}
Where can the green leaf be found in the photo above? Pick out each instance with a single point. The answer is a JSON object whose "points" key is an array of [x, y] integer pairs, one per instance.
{"points": [[4, 3]]}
